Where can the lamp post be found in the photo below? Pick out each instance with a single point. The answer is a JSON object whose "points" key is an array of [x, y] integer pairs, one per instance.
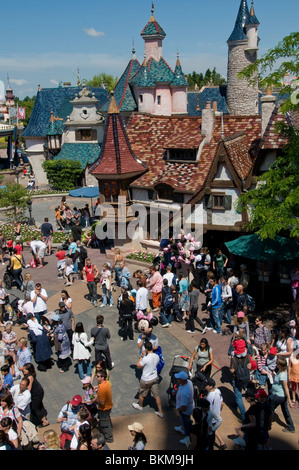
{"points": [[16, 173], [30, 220]]}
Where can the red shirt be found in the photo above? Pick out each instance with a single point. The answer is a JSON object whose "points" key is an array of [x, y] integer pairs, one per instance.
{"points": [[60, 255], [89, 273], [19, 249]]}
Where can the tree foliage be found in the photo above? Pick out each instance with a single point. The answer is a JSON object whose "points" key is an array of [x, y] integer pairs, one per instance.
{"points": [[14, 198], [199, 80], [63, 174], [28, 104], [273, 206], [103, 80]]}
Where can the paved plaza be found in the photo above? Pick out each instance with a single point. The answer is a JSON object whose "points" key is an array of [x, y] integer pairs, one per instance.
{"points": [[59, 388]]}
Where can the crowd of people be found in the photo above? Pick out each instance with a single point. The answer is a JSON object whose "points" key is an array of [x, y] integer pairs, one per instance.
{"points": [[264, 363]]}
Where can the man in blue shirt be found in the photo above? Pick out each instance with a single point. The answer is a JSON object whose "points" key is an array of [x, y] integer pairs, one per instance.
{"points": [[7, 379], [215, 304]]}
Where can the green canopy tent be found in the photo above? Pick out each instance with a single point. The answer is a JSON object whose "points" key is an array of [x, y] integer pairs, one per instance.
{"points": [[276, 249]]}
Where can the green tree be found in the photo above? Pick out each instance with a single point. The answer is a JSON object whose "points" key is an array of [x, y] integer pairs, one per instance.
{"points": [[14, 198], [103, 79], [273, 206], [209, 77], [28, 104], [63, 174]]}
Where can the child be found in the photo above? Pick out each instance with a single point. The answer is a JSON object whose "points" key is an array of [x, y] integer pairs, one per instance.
{"points": [[13, 368], [82, 417], [68, 270], [7, 379], [10, 341], [9, 245], [89, 396], [175, 307], [293, 374], [60, 255], [239, 345]]}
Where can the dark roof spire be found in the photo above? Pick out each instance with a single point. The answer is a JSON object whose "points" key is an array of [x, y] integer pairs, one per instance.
{"points": [[239, 32]]}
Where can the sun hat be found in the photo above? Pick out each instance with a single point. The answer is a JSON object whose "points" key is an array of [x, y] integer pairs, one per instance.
{"points": [[181, 375], [137, 427], [86, 380]]}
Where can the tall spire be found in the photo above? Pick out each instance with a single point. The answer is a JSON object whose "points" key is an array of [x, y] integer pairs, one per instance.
{"points": [[239, 33]]}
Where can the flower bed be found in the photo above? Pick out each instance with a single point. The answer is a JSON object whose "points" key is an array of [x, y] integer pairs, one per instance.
{"points": [[145, 256], [28, 232]]}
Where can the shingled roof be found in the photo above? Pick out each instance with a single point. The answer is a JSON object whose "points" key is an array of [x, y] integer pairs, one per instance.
{"points": [[150, 136], [85, 153], [117, 157]]}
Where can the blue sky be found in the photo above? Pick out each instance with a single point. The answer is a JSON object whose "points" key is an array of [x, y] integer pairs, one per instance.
{"points": [[46, 42]]}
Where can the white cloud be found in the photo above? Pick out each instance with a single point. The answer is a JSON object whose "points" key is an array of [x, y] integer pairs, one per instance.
{"points": [[93, 32], [18, 82], [54, 82]]}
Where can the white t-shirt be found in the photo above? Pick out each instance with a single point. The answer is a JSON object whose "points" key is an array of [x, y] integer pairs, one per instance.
{"points": [[141, 298], [149, 364], [37, 245], [40, 305], [215, 399], [169, 277], [22, 400], [153, 339]]}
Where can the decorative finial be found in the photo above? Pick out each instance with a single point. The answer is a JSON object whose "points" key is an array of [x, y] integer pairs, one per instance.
{"points": [[153, 8], [113, 108]]}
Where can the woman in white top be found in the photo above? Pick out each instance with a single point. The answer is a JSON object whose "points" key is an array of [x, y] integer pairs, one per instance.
{"points": [[66, 299], [106, 286], [2, 303], [81, 352]]}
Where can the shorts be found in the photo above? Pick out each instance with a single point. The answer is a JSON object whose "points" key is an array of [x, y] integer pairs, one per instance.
{"points": [[41, 253], [47, 240], [151, 386]]}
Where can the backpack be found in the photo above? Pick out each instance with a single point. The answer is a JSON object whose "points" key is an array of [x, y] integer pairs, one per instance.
{"points": [[250, 303], [242, 372], [168, 300]]}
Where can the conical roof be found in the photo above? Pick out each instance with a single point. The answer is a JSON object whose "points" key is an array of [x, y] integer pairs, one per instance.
{"points": [[152, 28], [239, 32]]}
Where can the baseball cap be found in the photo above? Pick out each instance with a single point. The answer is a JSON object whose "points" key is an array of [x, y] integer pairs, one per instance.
{"points": [[77, 400], [137, 427], [261, 394], [86, 380], [240, 314], [61, 304], [181, 375], [273, 351], [55, 318]]}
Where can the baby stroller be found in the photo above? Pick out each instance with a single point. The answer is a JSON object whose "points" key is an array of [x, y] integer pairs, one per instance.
{"points": [[179, 364], [13, 309], [8, 278], [199, 384]]}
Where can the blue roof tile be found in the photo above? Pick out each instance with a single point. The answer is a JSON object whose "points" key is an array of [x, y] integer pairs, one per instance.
{"points": [[239, 32], [84, 153]]}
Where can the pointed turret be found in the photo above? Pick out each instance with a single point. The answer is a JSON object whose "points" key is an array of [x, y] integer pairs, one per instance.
{"points": [[239, 31], [153, 35]]}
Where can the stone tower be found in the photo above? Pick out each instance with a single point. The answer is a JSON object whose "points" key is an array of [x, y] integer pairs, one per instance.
{"points": [[242, 98]]}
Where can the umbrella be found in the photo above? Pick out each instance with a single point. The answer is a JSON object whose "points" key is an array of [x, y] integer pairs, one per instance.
{"points": [[87, 191], [252, 247]]}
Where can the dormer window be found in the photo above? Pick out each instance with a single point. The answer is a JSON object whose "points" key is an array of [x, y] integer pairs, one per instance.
{"points": [[182, 155], [86, 135]]}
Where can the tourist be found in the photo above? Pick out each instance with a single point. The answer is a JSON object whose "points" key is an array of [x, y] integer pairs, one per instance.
{"points": [[215, 304], [219, 263], [166, 304], [227, 300], [82, 352], [106, 286], [58, 219], [241, 323], [90, 272], [39, 299], [101, 335], [239, 368], [124, 275], [140, 276], [116, 265], [284, 343], [169, 275], [68, 318], [89, 397], [184, 298], [47, 233], [155, 284], [82, 418], [84, 437], [66, 299], [205, 358], [9, 410], [77, 230], [149, 381], [38, 248], [280, 395], [244, 277], [241, 300], [100, 365], [2, 247], [126, 310], [62, 343], [105, 404], [69, 270], [215, 399], [261, 333], [192, 314], [98, 441], [51, 441], [293, 374], [146, 336], [3, 300], [184, 405], [198, 432], [28, 285], [16, 269], [7, 380], [141, 301], [38, 413], [22, 397], [200, 271], [40, 343], [67, 417], [212, 419], [79, 257], [139, 439], [7, 425], [24, 355], [5, 443]]}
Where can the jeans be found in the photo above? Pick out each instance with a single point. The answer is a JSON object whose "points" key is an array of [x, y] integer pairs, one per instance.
{"points": [[84, 364], [193, 317], [275, 401], [92, 288], [107, 295], [117, 271], [16, 274], [239, 400], [99, 353], [186, 422], [166, 316], [215, 319], [128, 328], [225, 309]]}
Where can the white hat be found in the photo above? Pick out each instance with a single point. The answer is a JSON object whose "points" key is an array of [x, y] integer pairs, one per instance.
{"points": [[137, 427]]}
